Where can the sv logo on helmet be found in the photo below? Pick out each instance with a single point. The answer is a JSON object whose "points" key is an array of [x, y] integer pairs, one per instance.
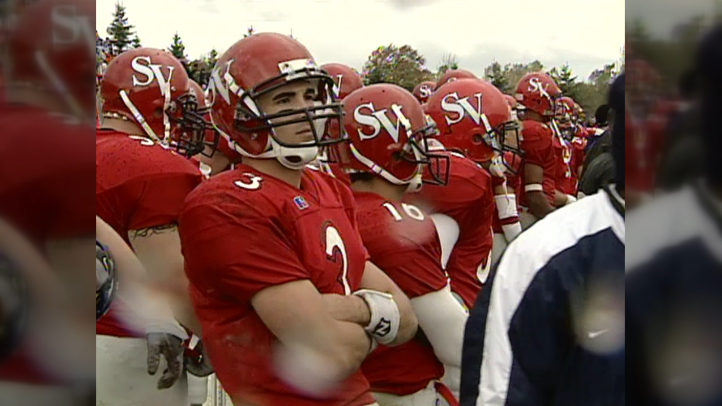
{"points": [[451, 103], [425, 91], [379, 119], [70, 28], [151, 72], [337, 86], [536, 86], [218, 86]]}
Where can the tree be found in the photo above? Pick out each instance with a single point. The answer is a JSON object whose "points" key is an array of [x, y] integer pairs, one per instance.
{"points": [[448, 62], [496, 75], [565, 79], [177, 48], [121, 32], [250, 32], [403, 66], [212, 58], [200, 69], [507, 77]]}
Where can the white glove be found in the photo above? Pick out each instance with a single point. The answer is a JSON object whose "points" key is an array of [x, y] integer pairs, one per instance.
{"points": [[385, 317], [570, 199]]}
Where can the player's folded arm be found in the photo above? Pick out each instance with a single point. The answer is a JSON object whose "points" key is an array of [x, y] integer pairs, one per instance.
{"points": [[374, 279], [296, 314], [250, 258]]}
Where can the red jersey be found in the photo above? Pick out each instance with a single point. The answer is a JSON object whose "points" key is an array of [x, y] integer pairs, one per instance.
{"points": [[139, 184], [468, 198], [579, 154], [564, 179], [538, 147], [243, 231], [640, 155], [47, 175], [403, 242]]}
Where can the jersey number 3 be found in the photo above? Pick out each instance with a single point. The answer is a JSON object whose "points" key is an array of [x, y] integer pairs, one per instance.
{"points": [[336, 248]]}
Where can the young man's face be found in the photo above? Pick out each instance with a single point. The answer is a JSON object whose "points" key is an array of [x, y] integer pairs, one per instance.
{"points": [[296, 95]]}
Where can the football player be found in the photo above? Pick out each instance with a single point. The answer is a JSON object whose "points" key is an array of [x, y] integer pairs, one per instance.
{"points": [[346, 80], [473, 132], [151, 126], [537, 93], [423, 90], [289, 303], [566, 179], [386, 157], [45, 199], [216, 156], [454, 74]]}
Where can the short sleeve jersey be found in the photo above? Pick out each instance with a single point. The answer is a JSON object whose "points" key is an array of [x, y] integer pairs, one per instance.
{"points": [[243, 231]]}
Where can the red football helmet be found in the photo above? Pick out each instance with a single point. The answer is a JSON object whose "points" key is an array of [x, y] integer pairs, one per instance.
{"points": [[151, 88], [513, 105], [566, 116], [538, 92], [255, 66], [387, 132], [50, 47], [474, 117], [423, 90], [454, 74], [345, 78], [212, 138]]}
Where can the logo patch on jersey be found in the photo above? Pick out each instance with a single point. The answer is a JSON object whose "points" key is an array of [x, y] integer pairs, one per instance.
{"points": [[301, 202]]}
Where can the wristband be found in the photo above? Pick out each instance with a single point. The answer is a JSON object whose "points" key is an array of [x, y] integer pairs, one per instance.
{"points": [[385, 317], [506, 206], [534, 187]]}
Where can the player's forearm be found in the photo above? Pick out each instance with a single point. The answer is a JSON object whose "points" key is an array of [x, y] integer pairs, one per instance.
{"points": [[539, 205], [350, 345], [349, 308]]}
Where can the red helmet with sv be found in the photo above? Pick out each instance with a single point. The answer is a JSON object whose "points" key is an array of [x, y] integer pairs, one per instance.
{"points": [[538, 92], [254, 67], [151, 88], [387, 131], [473, 117]]}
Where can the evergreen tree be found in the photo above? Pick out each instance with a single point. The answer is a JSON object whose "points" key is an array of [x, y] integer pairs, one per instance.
{"points": [[121, 32], [497, 76], [212, 58], [177, 48], [565, 79]]}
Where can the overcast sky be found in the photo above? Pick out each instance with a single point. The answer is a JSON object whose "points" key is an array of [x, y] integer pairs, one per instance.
{"points": [[585, 33]]}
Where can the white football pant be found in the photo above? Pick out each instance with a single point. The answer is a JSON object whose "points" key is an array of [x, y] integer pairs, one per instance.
{"points": [[197, 389]]}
